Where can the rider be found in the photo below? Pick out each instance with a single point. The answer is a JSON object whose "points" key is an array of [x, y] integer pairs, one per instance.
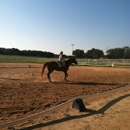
{"points": [[61, 59]]}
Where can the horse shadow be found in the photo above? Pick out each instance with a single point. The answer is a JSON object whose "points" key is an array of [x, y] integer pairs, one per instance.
{"points": [[86, 83], [90, 112]]}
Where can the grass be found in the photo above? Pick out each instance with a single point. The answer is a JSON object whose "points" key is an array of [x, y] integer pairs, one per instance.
{"points": [[81, 62], [20, 59]]}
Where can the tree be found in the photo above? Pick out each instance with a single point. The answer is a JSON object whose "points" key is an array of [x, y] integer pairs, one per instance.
{"points": [[78, 53], [14, 51], [2, 50], [94, 53], [126, 52], [119, 53]]}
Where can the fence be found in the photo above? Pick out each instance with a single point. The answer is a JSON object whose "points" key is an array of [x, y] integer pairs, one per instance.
{"points": [[104, 62], [99, 62], [90, 62]]}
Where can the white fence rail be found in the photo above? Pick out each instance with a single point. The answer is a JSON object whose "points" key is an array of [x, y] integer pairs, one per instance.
{"points": [[99, 62], [93, 62], [104, 62]]}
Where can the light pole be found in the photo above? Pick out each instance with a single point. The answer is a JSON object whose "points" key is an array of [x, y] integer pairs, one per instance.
{"points": [[106, 50], [72, 48]]}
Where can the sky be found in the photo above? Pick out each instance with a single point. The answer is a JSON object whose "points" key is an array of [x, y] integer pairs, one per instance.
{"points": [[64, 25]]}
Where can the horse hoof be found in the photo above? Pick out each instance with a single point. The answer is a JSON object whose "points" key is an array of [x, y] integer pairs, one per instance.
{"points": [[66, 80]]}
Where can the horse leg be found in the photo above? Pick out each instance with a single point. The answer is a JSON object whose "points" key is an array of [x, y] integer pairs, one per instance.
{"points": [[48, 76], [50, 70], [66, 75]]}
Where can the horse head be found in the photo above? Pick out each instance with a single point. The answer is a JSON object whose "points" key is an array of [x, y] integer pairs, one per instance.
{"points": [[74, 60]]}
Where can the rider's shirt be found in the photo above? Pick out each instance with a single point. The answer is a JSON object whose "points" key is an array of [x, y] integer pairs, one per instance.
{"points": [[60, 57]]}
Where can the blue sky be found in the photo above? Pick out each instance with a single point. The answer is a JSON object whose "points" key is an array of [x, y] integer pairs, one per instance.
{"points": [[53, 25]]}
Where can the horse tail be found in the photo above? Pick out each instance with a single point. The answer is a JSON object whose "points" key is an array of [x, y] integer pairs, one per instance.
{"points": [[43, 68]]}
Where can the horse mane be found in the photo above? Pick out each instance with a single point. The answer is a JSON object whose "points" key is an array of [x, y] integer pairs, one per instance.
{"points": [[70, 58]]}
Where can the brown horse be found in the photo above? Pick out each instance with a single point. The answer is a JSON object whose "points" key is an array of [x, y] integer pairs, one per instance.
{"points": [[53, 65]]}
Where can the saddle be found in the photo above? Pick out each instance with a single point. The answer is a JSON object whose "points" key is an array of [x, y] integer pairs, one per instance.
{"points": [[60, 64]]}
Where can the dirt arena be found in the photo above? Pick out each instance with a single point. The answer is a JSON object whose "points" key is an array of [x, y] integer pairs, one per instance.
{"points": [[23, 92]]}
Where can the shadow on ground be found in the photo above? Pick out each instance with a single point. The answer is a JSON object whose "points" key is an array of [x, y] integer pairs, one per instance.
{"points": [[86, 83], [90, 112]]}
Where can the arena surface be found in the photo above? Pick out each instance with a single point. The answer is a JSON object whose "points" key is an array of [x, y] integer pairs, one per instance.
{"points": [[23, 92]]}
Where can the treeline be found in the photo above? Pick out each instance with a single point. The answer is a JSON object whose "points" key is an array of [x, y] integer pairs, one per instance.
{"points": [[116, 53], [14, 51]]}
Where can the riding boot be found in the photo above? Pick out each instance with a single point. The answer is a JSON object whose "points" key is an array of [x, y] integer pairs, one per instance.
{"points": [[62, 66]]}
